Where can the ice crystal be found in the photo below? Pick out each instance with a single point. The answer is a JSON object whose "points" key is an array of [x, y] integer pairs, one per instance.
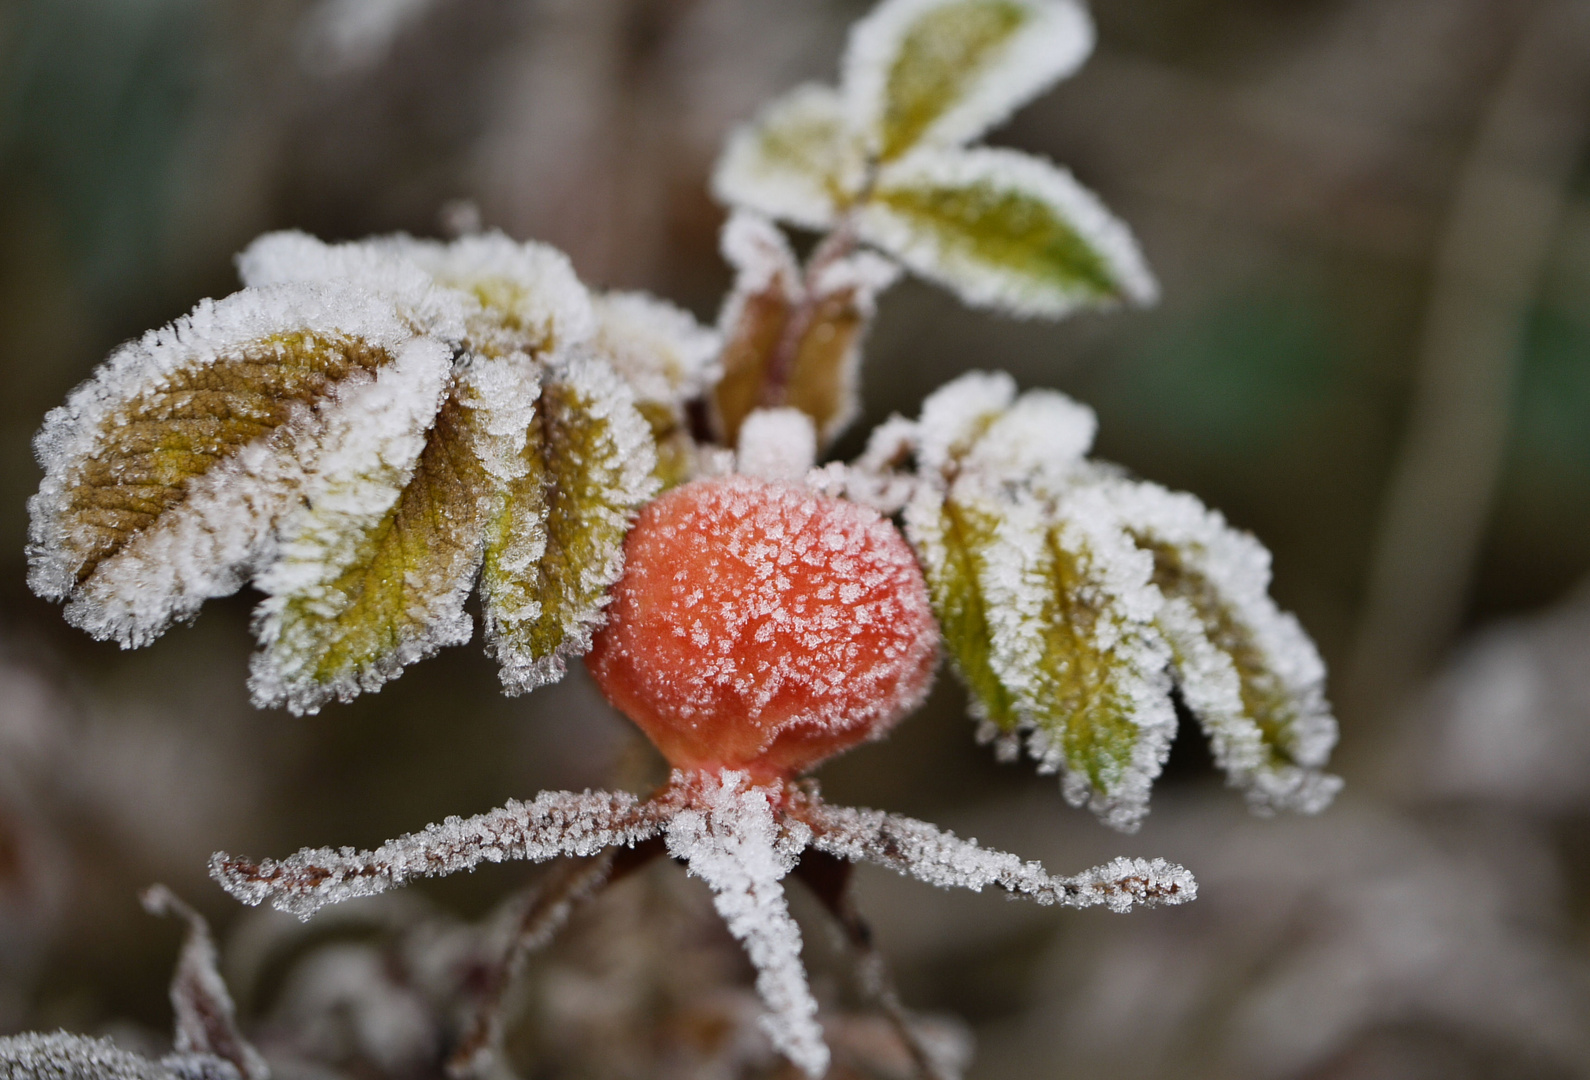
{"points": [[1071, 600], [884, 157], [777, 444], [358, 432], [741, 837], [61, 1056]]}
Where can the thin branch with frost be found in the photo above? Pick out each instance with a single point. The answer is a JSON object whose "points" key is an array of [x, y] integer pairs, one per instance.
{"points": [[554, 823], [205, 1020], [926, 852]]}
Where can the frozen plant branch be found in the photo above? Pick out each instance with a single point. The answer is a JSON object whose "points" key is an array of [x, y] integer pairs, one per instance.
{"points": [[553, 823]]}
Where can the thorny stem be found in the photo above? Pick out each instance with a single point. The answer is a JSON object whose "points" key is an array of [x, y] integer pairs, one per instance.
{"points": [[841, 241]]}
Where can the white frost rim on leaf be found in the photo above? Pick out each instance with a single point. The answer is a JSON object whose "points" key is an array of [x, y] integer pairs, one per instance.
{"points": [[955, 415], [1017, 577], [1056, 38], [210, 542], [659, 349], [747, 176], [1237, 566], [368, 453], [975, 279]]}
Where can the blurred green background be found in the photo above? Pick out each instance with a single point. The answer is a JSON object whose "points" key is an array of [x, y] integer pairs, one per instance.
{"points": [[1371, 223]]}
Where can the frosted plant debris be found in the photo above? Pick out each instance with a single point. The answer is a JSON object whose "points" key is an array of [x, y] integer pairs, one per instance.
{"points": [[791, 338], [62, 1056], [205, 1020], [1072, 598]]}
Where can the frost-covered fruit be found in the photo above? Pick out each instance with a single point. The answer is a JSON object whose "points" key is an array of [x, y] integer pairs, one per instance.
{"points": [[761, 626]]}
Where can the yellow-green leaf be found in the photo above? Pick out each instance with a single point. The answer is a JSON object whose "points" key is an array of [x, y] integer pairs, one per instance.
{"points": [[798, 161], [1005, 230], [166, 473], [942, 72], [590, 465]]}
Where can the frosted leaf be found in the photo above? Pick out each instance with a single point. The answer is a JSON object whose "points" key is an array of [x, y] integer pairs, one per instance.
{"points": [[1246, 669], [1041, 437], [940, 72], [205, 1018], [956, 414], [367, 578], [1004, 230], [729, 837], [553, 823], [556, 545], [767, 286], [60, 1056], [777, 444], [800, 160], [529, 293], [668, 359], [518, 295], [926, 852], [660, 350], [1071, 604], [167, 472]]}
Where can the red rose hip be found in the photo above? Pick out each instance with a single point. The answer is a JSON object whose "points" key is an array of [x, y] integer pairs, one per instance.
{"points": [[764, 627]]}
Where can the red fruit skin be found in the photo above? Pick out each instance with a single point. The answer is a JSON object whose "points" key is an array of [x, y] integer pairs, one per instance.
{"points": [[760, 626]]}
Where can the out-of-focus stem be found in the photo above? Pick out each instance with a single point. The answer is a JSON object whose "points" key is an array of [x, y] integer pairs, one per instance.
{"points": [[1508, 199]]}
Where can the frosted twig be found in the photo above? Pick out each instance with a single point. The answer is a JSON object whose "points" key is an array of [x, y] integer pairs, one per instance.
{"points": [[545, 911], [553, 823], [205, 1020], [60, 1056], [928, 853]]}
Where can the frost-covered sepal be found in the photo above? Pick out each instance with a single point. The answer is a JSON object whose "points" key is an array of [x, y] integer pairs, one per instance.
{"points": [[168, 473], [792, 338], [1246, 669], [941, 72], [1004, 230], [800, 160], [555, 544]]}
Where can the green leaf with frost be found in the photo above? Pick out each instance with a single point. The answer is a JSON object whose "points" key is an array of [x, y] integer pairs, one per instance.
{"points": [[941, 72], [1004, 230], [591, 455], [1246, 670], [799, 160], [952, 542]]}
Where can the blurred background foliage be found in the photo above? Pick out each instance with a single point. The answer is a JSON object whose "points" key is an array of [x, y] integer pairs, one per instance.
{"points": [[1305, 177]]}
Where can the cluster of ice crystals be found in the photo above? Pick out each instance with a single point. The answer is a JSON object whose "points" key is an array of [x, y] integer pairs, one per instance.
{"points": [[359, 432], [1072, 599], [62, 1056], [730, 838], [777, 444]]}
